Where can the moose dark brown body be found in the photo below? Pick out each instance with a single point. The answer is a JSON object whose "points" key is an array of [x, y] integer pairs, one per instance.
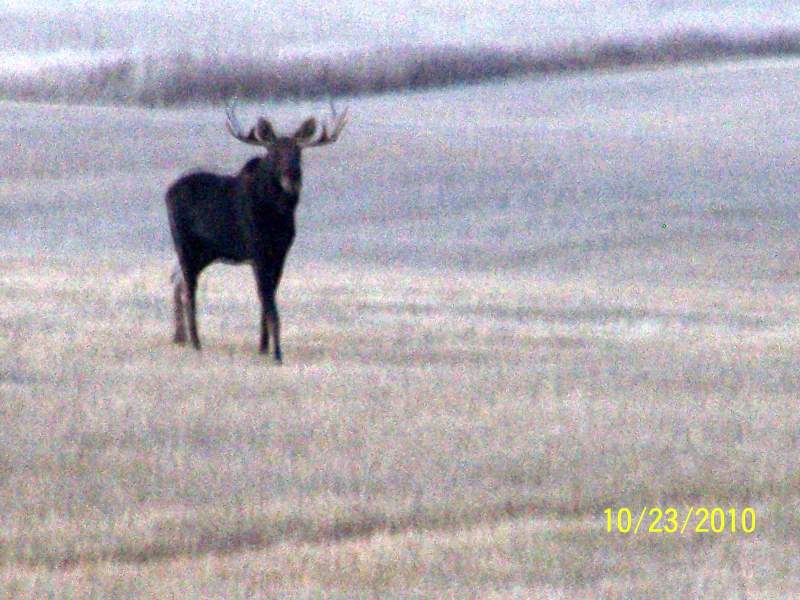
{"points": [[246, 218]]}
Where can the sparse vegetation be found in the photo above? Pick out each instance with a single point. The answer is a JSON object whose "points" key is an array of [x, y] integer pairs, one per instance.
{"points": [[461, 452], [185, 78]]}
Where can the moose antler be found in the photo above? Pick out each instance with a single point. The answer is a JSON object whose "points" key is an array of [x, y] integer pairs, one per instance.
{"points": [[260, 135], [328, 136], [263, 134]]}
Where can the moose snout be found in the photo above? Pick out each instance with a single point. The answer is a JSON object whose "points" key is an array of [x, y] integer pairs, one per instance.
{"points": [[290, 185]]}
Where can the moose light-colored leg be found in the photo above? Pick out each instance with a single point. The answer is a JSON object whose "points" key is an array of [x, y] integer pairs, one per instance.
{"points": [[178, 293]]}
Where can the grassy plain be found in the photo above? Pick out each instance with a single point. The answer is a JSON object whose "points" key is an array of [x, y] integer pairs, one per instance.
{"points": [[440, 428]]}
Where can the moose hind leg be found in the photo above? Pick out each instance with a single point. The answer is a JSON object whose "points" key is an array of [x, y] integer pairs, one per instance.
{"points": [[189, 293], [180, 315]]}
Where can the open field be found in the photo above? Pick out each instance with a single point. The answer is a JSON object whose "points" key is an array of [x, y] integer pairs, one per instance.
{"points": [[508, 308]]}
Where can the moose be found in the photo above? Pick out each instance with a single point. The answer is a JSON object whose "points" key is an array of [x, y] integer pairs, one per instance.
{"points": [[243, 218]]}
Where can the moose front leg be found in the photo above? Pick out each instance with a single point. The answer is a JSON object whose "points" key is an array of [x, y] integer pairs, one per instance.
{"points": [[274, 323], [267, 281]]}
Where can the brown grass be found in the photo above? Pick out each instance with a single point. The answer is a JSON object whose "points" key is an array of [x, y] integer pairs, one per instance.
{"points": [[428, 436], [591, 306]]}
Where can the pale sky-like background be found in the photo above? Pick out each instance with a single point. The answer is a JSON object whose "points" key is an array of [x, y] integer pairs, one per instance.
{"points": [[311, 26]]}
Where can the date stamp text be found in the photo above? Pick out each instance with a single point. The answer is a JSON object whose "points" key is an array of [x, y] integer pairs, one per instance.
{"points": [[687, 520]]}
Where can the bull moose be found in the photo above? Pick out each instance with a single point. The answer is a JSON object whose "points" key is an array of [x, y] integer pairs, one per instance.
{"points": [[243, 218]]}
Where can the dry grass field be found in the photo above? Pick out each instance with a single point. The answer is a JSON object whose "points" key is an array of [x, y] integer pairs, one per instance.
{"points": [[439, 428]]}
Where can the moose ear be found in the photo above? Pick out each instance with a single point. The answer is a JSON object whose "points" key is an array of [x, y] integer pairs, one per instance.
{"points": [[264, 131], [306, 131]]}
